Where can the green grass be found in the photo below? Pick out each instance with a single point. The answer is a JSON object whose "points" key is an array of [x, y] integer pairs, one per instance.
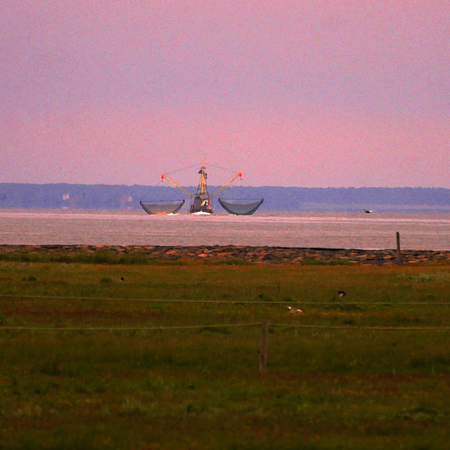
{"points": [[98, 257], [200, 388]]}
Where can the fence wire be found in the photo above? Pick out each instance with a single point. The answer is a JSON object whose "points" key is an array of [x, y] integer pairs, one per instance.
{"points": [[230, 302], [200, 327]]}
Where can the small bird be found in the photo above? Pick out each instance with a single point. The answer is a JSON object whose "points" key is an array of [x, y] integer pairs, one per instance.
{"points": [[341, 294], [294, 310], [368, 211], [122, 279]]}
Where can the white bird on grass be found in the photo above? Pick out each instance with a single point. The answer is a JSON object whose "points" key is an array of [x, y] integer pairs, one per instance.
{"points": [[294, 310]]}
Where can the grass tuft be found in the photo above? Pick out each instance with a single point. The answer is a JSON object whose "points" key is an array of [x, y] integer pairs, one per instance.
{"points": [[333, 262], [263, 298], [425, 277], [236, 262], [222, 330], [29, 278]]}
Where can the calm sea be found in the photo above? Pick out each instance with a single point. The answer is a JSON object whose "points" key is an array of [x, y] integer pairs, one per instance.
{"points": [[328, 230]]}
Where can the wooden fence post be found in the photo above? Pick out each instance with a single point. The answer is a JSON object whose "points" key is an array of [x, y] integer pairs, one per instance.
{"points": [[263, 350], [399, 254]]}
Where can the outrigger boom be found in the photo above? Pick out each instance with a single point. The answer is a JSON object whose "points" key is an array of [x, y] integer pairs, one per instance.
{"points": [[165, 177]]}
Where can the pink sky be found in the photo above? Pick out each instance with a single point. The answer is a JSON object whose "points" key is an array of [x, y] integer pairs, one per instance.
{"points": [[309, 93]]}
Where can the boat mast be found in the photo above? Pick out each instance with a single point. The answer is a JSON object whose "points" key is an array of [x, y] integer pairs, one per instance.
{"points": [[203, 188]]}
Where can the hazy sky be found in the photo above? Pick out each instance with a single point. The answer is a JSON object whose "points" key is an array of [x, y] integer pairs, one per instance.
{"points": [[313, 93]]}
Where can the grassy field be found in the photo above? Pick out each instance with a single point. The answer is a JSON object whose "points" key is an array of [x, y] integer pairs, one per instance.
{"points": [[165, 367]]}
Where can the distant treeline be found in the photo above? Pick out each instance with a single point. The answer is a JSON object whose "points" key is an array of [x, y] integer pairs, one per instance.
{"points": [[82, 196]]}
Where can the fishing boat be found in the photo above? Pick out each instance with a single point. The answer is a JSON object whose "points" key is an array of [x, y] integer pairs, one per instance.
{"points": [[201, 201]]}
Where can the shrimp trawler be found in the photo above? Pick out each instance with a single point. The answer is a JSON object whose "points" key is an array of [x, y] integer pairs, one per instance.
{"points": [[201, 201]]}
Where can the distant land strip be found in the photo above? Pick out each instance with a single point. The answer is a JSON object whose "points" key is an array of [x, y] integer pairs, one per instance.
{"points": [[233, 253], [276, 198]]}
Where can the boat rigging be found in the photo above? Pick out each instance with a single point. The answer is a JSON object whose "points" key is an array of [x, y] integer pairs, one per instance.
{"points": [[200, 201]]}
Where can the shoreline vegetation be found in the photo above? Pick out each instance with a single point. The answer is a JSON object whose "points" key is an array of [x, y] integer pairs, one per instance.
{"points": [[107, 347]]}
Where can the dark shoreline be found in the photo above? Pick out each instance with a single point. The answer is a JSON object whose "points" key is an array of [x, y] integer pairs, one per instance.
{"points": [[274, 255]]}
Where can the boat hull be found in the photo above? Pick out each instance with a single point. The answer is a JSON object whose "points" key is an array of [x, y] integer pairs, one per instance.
{"points": [[202, 205], [201, 213], [204, 210]]}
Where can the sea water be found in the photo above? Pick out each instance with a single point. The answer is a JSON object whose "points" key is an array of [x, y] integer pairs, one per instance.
{"points": [[332, 230]]}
